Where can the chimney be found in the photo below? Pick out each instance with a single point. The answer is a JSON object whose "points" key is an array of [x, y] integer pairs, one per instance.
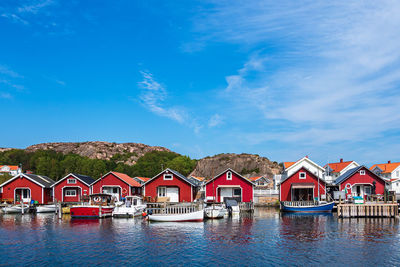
{"points": [[307, 156], [341, 160], [389, 161]]}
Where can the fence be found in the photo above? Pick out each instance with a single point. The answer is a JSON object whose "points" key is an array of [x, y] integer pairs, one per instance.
{"points": [[161, 208]]}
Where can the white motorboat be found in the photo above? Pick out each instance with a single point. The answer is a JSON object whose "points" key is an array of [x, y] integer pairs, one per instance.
{"points": [[46, 208], [16, 209], [133, 206], [215, 211], [232, 206], [196, 216]]}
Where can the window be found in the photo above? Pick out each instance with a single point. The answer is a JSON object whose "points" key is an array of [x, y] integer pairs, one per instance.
{"points": [[302, 175], [367, 190], [397, 173], [71, 181], [362, 172], [237, 192], [168, 176], [70, 193], [229, 176], [161, 191]]}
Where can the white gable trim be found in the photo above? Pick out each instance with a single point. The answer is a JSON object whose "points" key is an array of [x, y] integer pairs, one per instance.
{"points": [[17, 176], [305, 159], [68, 175]]}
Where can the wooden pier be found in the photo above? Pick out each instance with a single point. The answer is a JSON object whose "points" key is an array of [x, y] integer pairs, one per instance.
{"points": [[368, 210]]}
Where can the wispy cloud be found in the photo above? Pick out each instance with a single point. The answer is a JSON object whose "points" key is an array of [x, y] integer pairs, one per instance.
{"points": [[215, 120], [11, 80], [7, 71], [5, 95], [34, 7], [334, 75], [153, 97]]}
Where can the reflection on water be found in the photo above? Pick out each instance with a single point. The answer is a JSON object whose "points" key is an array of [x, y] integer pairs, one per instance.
{"points": [[266, 237]]}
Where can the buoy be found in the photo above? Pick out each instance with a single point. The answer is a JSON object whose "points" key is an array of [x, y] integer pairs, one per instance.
{"points": [[144, 214]]}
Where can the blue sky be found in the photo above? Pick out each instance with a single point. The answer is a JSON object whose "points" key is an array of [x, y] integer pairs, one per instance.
{"points": [[281, 79]]}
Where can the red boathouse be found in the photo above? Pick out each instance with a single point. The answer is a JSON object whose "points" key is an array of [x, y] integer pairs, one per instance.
{"points": [[173, 185], [302, 185], [117, 184], [360, 181], [72, 188], [229, 184], [26, 187]]}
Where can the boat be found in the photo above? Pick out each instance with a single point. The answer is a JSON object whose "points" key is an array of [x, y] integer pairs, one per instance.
{"points": [[16, 209], [232, 206], [197, 216], [297, 206], [177, 213], [215, 211], [99, 206], [46, 208], [133, 206]]}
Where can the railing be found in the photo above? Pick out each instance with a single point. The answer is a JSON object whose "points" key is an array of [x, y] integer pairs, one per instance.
{"points": [[264, 192], [157, 208], [299, 203]]}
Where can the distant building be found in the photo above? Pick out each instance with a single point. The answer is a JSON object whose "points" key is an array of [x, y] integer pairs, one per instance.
{"points": [[389, 171], [9, 169], [72, 188], [116, 184], [335, 169]]}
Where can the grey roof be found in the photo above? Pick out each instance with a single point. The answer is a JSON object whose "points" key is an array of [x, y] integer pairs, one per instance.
{"points": [[84, 178], [352, 171], [41, 179]]}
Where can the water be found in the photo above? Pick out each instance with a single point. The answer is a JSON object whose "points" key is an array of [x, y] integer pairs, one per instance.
{"points": [[266, 238]]}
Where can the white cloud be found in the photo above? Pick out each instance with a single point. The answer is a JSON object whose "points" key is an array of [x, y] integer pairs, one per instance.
{"points": [[5, 95], [7, 71], [153, 97], [334, 74], [35, 6], [215, 120]]}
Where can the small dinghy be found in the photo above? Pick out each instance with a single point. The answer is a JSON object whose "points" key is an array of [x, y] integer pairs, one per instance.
{"points": [[133, 206], [215, 211], [306, 206], [197, 216], [16, 209], [46, 208]]}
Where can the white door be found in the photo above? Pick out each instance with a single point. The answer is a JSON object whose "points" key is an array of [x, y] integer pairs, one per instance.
{"points": [[114, 191], [226, 192], [173, 194]]}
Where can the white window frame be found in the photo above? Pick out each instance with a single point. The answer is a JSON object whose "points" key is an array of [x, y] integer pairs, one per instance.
{"points": [[169, 175], [70, 190], [362, 172], [229, 176], [71, 181], [301, 174], [163, 190]]}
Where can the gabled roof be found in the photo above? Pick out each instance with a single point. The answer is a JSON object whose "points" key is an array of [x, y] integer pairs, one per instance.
{"points": [[321, 178], [386, 167], [288, 164], [229, 169], [189, 180], [255, 178], [201, 179], [351, 172], [83, 178], [143, 179], [12, 167], [306, 158], [338, 166], [123, 177], [40, 180]]}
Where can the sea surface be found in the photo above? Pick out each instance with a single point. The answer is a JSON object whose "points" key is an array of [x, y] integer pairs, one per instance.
{"points": [[265, 238]]}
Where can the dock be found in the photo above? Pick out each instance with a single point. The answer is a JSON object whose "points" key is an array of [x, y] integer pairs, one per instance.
{"points": [[368, 210]]}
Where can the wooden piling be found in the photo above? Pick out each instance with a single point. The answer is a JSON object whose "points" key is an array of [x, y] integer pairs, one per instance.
{"points": [[368, 210]]}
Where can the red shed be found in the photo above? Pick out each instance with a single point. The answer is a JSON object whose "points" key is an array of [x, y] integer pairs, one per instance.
{"points": [[360, 181], [27, 187], [172, 184], [117, 184], [72, 188], [229, 184], [302, 185]]}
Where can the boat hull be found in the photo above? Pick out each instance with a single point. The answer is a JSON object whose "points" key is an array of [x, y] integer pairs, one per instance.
{"points": [[197, 216], [124, 212], [317, 208], [214, 213], [91, 212], [46, 209], [15, 209]]}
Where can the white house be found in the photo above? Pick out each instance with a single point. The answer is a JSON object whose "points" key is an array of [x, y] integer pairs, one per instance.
{"points": [[335, 169], [389, 171], [9, 169]]}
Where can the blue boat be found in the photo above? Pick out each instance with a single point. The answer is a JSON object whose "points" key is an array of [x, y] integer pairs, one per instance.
{"points": [[298, 206]]}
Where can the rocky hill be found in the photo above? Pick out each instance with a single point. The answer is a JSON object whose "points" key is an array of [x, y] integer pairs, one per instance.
{"points": [[2, 149], [100, 150], [246, 164]]}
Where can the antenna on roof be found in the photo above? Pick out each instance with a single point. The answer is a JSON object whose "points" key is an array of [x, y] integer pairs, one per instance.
{"points": [[162, 167]]}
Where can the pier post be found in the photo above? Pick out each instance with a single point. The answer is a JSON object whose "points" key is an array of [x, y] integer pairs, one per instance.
{"points": [[59, 210], [22, 206]]}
